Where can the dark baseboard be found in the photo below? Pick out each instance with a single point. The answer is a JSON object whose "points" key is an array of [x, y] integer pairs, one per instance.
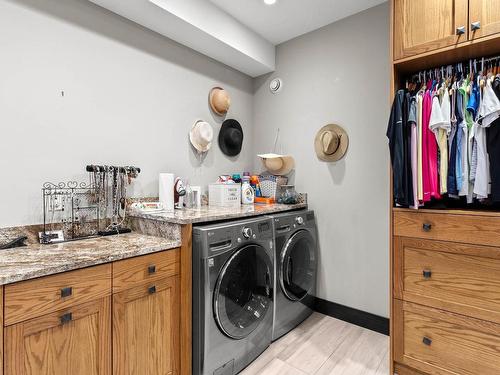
{"points": [[348, 314]]}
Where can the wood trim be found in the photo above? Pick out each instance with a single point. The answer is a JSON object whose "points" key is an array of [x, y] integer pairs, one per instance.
{"points": [[186, 289]]}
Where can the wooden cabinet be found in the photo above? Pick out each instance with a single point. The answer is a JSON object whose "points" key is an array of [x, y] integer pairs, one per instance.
{"points": [[442, 343], [146, 329], [456, 277], [75, 341], [484, 18], [70, 323], [425, 25]]}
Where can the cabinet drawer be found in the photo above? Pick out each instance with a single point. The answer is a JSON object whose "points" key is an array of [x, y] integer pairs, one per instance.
{"points": [[33, 298], [144, 269], [467, 228], [438, 342], [456, 277]]}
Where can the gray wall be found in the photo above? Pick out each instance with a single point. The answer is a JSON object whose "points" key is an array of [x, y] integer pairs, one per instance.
{"points": [[131, 97], [339, 74]]}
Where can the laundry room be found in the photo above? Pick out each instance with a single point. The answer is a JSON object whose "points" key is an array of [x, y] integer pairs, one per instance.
{"points": [[222, 187]]}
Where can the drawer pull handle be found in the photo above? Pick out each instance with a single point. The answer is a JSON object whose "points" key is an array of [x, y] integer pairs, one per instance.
{"points": [[152, 289], [461, 30], [151, 269], [427, 341], [427, 274], [426, 227], [66, 292], [475, 25], [66, 318]]}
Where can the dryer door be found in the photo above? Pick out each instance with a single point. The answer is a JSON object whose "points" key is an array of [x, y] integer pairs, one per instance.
{"points": [[297, 268], [243, 292]]}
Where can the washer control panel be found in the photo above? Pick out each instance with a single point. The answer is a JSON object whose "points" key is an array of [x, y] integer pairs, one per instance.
{"points": [[247, 232]]}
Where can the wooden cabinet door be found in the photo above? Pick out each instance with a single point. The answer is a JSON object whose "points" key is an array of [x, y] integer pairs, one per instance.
{"points": [[74, 341], [425, 25], [146, 329], [484, 17]]}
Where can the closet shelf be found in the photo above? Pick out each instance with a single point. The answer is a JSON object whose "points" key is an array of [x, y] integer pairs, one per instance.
{"points": [[461, 211], [486, 46]]}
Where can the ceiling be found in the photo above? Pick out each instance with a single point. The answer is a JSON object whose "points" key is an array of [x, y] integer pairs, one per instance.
{"points": [[287, 19]]}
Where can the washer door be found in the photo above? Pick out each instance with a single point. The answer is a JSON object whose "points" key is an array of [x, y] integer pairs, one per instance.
{"points": [[243, 292], [298, 265]]}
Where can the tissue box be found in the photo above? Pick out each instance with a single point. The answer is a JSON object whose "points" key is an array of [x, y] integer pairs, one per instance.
{"points": [[224, 195]]}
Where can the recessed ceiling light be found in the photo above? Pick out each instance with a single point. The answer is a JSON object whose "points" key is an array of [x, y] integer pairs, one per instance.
{"points": [[270, 2]]}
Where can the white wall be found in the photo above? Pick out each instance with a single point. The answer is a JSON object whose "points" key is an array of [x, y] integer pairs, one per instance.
{"points": [[131, 97], [339, 74]]}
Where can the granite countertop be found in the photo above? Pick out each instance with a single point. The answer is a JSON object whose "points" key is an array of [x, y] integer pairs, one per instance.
{"points": [[37, 260], [210, 213]]}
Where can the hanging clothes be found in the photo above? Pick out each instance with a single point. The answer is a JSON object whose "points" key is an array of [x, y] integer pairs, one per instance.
{"points": [[429, 151], [399, 137], [444, 137], [493, 148], [452, 144]]}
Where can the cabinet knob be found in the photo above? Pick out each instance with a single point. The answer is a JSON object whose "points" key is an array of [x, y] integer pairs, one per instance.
{"points": [[66, 292], [66, 318], [151, 269], [460, 30], [475, 25], [427, 341], [426, 227], [427, 274], [152, 289]]}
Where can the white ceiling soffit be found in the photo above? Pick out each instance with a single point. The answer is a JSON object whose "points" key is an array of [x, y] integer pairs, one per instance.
{"points": [[287, 19], [202, 26]]}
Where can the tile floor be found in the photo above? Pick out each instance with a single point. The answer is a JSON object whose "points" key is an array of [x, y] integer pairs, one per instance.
{"points": [[324, 345]]}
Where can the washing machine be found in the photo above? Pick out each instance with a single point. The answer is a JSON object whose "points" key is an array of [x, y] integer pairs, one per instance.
{"points": [[296, 262], [233, 279]]}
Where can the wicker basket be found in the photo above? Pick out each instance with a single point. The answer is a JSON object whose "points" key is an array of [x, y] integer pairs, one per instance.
{"points": [[270, 185]]}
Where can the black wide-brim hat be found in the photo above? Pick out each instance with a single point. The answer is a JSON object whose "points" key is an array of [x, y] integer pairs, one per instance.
{"points": [[231, 137]]}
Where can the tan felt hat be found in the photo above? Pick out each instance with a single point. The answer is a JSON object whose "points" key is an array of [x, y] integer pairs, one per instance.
{"points": [[331, 143], [219, 100], [201, 136], [277, 164]]}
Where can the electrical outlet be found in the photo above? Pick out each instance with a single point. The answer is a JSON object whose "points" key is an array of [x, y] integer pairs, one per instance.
{"points": [[58, 203]]}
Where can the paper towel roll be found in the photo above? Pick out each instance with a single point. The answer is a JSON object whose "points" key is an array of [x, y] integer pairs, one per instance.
{"points": [[166, 190]]}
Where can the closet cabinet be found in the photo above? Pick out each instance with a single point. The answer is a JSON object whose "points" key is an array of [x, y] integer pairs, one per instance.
{"points": [[422, 26], [484, 18], [425, 25]]}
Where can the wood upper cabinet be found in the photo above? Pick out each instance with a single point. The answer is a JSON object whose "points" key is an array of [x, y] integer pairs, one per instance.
{"points": [[484, 17], [74, 341], [425, 25], [146, 329]]}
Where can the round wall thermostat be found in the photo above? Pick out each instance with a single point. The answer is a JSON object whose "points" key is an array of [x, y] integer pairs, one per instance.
{"points": [[276, 85]]}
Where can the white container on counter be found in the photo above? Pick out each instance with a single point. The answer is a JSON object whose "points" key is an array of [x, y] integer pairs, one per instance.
{"points": [[247, 192], [166, 190], [224, 195]]}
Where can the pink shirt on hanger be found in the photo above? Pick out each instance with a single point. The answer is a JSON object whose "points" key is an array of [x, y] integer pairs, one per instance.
{"points": [[429, 152]]}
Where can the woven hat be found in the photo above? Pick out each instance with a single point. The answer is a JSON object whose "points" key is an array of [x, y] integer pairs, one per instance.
{"points": [[201, 136], [331, 143], [277, 164], [219, 100], [231, 137]]}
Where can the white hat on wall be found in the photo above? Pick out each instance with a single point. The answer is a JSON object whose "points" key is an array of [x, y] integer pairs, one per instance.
{"points": [[201, 136]]}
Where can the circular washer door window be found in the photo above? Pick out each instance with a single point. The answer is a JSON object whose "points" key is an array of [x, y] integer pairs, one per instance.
{"points": [[298, 265], [243, 292]]}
